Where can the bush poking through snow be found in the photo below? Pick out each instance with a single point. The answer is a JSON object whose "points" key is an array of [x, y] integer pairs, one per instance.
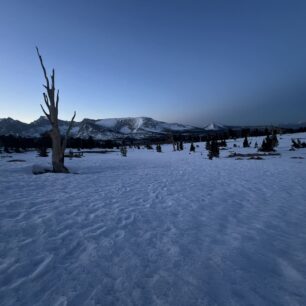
{"points": [[297, 144], [149, 147], [158, 148], [123, 151]]}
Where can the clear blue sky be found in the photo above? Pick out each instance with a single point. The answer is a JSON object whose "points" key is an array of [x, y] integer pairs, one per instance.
{"points": [[235, 62]]}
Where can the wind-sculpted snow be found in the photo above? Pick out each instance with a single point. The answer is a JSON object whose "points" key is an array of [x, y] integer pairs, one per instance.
{"points": [[167, 228]]}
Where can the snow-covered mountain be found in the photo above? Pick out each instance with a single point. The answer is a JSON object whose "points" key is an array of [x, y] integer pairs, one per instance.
{"points": [[114, 128], [118, 128], [215, 127], [11, 126]]}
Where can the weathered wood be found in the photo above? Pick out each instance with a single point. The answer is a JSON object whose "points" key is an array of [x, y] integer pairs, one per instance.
{"points": [[52, 101]]}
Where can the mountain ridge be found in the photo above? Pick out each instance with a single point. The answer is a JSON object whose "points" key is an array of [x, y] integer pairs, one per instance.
{"points": [[118, 128], [110, 128]]}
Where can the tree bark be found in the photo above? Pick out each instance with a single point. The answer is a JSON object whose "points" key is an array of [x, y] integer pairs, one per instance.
{"points": [[51, 100]]}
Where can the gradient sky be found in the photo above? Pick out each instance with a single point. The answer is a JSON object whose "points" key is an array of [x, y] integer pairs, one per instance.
{"points": [[234, 62]]}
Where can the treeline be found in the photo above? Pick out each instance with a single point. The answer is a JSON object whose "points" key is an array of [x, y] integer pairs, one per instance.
{"points": [[221, 135], [12, 143]]}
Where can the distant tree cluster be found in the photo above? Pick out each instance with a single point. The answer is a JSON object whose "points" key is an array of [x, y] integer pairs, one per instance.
{"points": [[13, 144]]}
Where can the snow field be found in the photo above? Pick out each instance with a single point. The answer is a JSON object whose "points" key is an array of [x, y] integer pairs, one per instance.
{"points": [[168, 228]]}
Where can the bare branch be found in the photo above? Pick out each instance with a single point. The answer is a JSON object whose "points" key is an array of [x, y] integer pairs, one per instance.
{"points": [[46, 101], [47, 115], [57, 100], [52, 79], [43, 68], [67, 133], [70, 124]]}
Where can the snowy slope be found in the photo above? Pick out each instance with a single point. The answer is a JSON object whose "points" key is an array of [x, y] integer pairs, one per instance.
{"points": [[215, 127], [141, 125], [168, 228]]}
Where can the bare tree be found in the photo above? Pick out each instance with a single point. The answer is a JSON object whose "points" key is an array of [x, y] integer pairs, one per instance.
{"points": [[51, 100]]}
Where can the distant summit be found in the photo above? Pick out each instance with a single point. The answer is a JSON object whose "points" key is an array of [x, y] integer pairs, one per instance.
{"points": [[215, 127]]}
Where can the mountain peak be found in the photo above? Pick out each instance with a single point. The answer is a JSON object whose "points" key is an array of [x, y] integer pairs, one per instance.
{"points": [[40, 119], [214, 127]]}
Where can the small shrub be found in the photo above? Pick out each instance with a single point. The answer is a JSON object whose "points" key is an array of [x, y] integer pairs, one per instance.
{"points": [[123, 151]]}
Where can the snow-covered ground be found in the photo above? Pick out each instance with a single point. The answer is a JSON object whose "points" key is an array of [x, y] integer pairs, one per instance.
{"points": [[168, 228]]}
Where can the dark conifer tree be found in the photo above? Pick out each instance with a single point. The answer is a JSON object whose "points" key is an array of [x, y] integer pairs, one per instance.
{"points": [[246, 143], [274, 139], [213, 150], [90, 142], [268, 144], [181, 145], [192, 147]]}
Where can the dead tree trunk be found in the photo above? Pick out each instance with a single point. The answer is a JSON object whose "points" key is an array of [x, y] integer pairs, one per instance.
{"points": [[51, 101]]}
